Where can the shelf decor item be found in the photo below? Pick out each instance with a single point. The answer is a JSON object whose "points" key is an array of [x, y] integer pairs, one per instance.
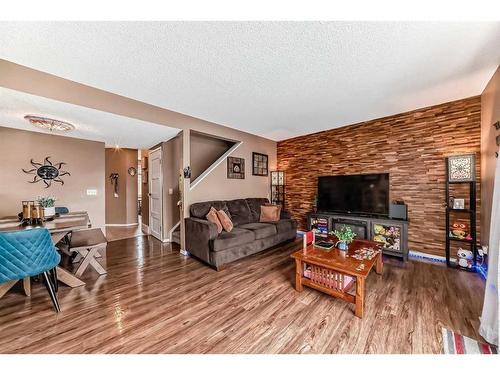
{"points": [[48, 205], [345, 235], [278, 187], [458, 203], [260, 164], [461, 168], [235, 168], [388, 235]]}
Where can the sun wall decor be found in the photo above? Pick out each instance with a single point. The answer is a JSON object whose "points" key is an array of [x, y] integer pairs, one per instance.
{"points": [[47, 172]]}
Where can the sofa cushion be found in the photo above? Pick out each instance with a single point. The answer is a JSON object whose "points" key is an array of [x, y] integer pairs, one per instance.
{"points": [[236, 237], [225, 220], [214, 218], [269, 213], [285, 225], [239, 211], [254, 204], [261, 230], [201, 209]]}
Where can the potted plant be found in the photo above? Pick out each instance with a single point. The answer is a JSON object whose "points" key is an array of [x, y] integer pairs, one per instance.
{"points": [[48, 205], [345, 235]]}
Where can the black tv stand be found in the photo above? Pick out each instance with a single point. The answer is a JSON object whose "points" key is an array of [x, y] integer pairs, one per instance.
{"points": [[392, 232]]}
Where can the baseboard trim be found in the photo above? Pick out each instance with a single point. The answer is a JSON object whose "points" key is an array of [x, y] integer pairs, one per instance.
{"points": [[432, 258], [121, 225]]}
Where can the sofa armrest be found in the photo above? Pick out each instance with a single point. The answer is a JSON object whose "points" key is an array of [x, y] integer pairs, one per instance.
{"points": [[198, 235], [285, 215]]}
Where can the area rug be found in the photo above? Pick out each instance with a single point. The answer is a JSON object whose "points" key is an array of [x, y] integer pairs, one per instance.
{"points": [[455, 343]]}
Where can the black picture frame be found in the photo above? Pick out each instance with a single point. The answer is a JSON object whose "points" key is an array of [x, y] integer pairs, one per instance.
{"points": [[235, 168], [260, 164]]}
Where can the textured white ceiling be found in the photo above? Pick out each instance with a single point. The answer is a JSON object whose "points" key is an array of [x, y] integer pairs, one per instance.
{"points": [[90, 124], [275, 79]]}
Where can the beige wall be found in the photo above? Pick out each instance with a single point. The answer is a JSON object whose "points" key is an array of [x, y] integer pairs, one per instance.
{"points": [[85, 162], [205, 150], [216, 185], [490, 113], [123, 209]]}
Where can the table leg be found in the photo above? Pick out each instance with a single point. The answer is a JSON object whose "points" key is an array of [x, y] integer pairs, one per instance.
{"points": [[89, 259], [360, 296], [298, 276], [27, 286], [379, 265], [67, 278], [62, 275], [5, 287]]}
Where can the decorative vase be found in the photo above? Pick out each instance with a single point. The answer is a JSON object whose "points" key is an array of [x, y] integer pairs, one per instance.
{"points": [[342, 245], [49, 211]]}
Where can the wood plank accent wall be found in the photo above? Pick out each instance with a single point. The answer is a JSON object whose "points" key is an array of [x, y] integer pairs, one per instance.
{"points": [[411, 146]]}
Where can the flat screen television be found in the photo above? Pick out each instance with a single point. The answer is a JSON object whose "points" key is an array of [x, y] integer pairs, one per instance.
{"points": [[362, 194]]}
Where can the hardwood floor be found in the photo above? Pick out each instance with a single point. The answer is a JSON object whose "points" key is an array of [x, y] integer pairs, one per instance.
{"points": [[153, 300], [121, 233]]}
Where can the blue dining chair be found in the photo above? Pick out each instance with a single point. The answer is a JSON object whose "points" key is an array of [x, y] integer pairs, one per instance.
{"points": [[27, 253]]}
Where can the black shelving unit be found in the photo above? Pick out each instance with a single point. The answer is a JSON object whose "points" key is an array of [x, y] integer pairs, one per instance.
{"points": [[471, 211]]}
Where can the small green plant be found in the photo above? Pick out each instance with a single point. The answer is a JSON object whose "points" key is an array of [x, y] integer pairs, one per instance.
{"points": [[46, 202], [344, 234]]}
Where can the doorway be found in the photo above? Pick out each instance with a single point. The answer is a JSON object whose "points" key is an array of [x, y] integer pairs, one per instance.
{"points": [[155, 194]]}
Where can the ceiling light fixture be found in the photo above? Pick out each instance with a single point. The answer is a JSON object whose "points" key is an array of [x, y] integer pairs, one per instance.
{"points": [[49, 124]]}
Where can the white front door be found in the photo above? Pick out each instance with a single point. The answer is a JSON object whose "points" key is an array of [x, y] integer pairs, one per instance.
{"points": [[155, 194]]}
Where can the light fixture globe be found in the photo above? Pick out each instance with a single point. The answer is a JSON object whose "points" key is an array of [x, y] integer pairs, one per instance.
{"points": [[49, 124]]}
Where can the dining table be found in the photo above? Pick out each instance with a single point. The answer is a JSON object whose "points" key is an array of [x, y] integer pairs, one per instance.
{"points": [[59, 227]]}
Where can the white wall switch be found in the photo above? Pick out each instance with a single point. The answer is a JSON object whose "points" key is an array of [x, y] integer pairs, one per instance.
{"points": [[170, 191], [91, 191]]}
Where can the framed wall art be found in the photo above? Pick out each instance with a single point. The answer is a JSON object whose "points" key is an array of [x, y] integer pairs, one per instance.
{"points": [[260, 164], [235, 168], [461, 168]]}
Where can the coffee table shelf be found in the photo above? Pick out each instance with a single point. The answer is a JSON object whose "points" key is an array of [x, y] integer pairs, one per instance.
{"points": [[336, 272]]}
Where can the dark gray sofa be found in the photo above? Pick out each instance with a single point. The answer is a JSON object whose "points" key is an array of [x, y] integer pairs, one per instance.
{"points": [[248, 236]]}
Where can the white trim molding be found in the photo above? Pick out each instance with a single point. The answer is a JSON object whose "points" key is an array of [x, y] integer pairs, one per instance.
{"points": [[121, 225], [433, 258]]}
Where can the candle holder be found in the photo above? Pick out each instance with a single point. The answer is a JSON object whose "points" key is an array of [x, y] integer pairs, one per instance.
{"points": [[27, 210]]}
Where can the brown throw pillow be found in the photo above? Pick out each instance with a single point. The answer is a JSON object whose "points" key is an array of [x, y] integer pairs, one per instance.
{"points": [[269, 213], [213, 218], [226, 222]]}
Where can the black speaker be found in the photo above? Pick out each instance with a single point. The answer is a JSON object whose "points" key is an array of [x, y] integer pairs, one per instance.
{"points": [[398, 211]]}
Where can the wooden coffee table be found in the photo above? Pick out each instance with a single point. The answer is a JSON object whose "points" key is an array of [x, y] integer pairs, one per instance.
{"points": [[335, 272]]}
